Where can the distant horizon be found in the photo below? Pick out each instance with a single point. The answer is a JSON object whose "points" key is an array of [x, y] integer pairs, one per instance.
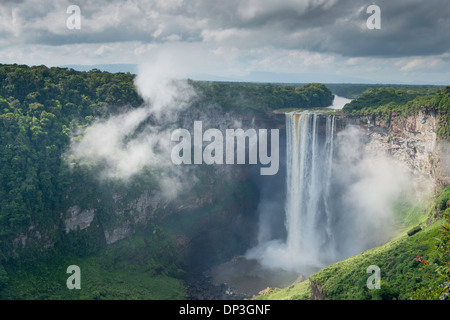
{"points": [[132, 68]]}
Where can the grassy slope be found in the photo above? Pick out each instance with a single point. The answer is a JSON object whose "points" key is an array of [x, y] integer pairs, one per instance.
{"points": [[141, 267], [298, 291], [400, 273], [347, 279]]}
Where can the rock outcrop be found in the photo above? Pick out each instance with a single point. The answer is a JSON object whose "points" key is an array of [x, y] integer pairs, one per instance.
{"points": [[132, 214], [78, 219], [316, 291]]}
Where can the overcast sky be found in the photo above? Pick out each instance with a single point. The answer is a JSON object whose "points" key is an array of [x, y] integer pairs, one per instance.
{"points": [[265, 40]]}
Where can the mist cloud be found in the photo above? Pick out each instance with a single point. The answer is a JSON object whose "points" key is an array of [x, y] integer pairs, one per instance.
{"points": [[163, 86], [139, 138], [370, 183]]}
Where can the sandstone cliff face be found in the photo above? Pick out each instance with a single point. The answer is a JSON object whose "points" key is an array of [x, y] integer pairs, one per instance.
{"points": [[126, 214], [411, 140], [442, 165], [78, 219], [131, 214]]}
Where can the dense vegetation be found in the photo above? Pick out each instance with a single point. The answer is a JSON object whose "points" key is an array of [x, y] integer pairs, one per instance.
{"points": [[355, 90], [264, 97], [39, 107], [296, 291], [387, 97], [442, 104], [413, 266], [384, 102], [40, 110], [141, 267]]}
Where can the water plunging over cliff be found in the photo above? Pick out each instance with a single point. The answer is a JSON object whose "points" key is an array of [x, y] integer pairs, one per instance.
{"points": [[308, 218], [338, 202], [309, 160]]}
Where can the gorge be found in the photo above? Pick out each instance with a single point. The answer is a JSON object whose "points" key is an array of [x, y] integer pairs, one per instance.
{"points": [[103, 194], [343, 178]]}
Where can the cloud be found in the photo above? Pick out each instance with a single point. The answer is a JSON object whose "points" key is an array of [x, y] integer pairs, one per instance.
{"points": [[237, 37], [156, 83], [370, 183], [337, 26], [139, 138], [423, 64], [104, 141]]}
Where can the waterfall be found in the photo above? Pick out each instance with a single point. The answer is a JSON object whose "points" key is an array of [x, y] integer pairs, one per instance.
{"points": [[338, 197], [309, 239], [308, 176]]}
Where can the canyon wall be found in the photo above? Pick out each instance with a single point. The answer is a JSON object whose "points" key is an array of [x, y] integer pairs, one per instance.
{"points": [[412, 141], [225, 199]]}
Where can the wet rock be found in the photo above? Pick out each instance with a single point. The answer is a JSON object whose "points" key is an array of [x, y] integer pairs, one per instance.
{"points": [[201, 287]]}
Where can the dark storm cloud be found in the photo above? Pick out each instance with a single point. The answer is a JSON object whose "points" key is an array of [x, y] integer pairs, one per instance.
{"points": [[408, 27]]}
